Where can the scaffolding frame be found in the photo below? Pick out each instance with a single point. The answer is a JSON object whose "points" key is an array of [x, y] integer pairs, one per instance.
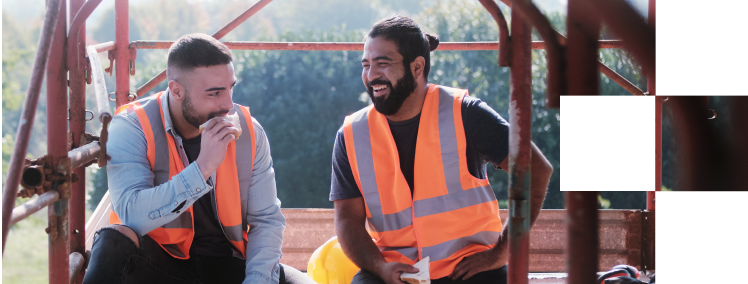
{"points": [[59, 177]]}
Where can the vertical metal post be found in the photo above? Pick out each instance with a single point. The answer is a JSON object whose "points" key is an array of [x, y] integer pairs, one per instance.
{"points": [[582, 251], [658, 121], [57, 148], [23, 134], [122, 58], [520, 130], [77, 75]]}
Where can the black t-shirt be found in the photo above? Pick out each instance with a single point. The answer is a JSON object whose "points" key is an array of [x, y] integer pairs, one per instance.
{"points": [[486, 136], [209, 238]]}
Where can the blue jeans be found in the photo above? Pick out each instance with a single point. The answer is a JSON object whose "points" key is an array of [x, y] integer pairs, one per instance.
{"points": [[116, 259], [496, 276]]}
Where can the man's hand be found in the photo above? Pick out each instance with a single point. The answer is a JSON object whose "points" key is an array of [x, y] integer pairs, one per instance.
{"points": [[216, 137], [486, 260], [390, 272]]}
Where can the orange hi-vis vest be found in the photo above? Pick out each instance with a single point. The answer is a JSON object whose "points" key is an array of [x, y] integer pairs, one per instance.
{"points": [[233, 177], [451, 214]]}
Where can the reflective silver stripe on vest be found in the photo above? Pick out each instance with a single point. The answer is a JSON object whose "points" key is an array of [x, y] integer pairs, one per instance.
{"points": [[409, 252], [445, 249], [453, 201], [448, 141], [244, 164], [173, 249], [457, 197], [234, 233], [365, 161], [161, 164], [184, 221]]}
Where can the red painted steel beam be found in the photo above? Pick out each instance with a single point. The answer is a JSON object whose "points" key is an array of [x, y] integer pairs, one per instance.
{"points": [[520, 134], [612, 75], [504, 44], [77, 66], [218, 35], [583, 28], [347, 46], [658, 122], [57, 148], [555, 57], [122, 54], [17, 160], [624, 21]]}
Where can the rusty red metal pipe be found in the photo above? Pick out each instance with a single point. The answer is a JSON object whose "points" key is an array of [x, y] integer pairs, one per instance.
{"points": [[520, 150], [582, 249], [32, 206], [57, 138], [345, 46], [504, 44], [122, 54], [218, 35], [17, 160], [624, 21], [658, 122], [582, 252], [556, 58], [78, 67]]}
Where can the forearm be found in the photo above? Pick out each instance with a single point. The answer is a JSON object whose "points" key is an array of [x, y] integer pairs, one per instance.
{"points": [[358, 245], [540, 177], [144, 207]]}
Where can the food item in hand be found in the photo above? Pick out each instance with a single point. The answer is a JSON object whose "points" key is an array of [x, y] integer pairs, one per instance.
{"points": [[422, 277], [233, 118]]}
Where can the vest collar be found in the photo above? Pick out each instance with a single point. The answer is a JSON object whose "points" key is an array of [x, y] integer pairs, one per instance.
{"points": [[167, 115]]}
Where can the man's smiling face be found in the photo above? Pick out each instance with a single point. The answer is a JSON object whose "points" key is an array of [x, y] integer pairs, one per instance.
{"points": [[209, 92], [383, 64]]}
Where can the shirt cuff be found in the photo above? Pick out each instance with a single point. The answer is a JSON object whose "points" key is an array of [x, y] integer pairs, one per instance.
{"points": [[193, 181], [259, 277]]}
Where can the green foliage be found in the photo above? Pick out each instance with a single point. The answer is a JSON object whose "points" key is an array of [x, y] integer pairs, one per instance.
{"points": [[604, 203], [98, 189]]}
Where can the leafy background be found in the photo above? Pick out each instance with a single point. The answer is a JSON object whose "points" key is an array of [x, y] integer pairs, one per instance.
{"points": [[300, 97]]}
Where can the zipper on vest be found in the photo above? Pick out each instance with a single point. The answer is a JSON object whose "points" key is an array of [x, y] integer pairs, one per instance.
{"points": [[215, 211], [415, 232]]}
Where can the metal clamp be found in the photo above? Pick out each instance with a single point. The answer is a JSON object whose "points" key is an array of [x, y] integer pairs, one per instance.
{"points": [[86, 116], [131, 97], [39, 176]]}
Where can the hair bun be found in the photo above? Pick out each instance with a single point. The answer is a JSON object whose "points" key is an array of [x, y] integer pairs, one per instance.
{"points": [[433, 41]]}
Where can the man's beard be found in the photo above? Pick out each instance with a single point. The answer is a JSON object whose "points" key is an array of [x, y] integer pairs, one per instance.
{"points": [[389, 105], [192, 116]]}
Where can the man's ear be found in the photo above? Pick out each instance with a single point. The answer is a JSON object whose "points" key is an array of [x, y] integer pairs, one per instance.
{"points": [[177, 90], [417, 66]]}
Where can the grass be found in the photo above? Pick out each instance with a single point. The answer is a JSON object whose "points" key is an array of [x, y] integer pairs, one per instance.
{"points": [[26, 257]]}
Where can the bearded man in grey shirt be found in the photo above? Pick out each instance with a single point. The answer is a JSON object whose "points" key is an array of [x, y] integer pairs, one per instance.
{"points": [[191, 205]]}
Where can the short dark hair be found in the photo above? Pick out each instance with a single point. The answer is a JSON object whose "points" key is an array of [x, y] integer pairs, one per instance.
{"points": [[197, 50], [410, 40]]}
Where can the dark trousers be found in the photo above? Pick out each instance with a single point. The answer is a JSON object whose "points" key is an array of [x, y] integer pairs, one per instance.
{"points": [[496, 276], [116, 259]]}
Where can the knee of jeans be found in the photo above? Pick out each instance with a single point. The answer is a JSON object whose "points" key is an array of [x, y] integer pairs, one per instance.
{"points": [[125, 230]]}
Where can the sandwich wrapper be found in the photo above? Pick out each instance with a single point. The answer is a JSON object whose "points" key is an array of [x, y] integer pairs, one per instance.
{"points": [[233, 118], [422, 277]]}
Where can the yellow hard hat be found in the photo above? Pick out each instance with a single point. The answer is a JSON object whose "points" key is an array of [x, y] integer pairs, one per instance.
{"points": [[329, 265]]}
